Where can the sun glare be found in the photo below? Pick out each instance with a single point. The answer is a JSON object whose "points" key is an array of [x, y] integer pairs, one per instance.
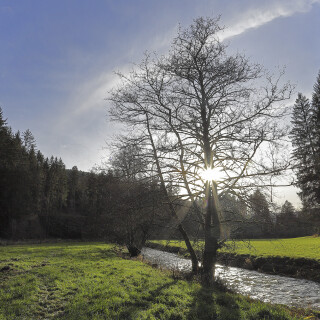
{"points": [[210, 174]]}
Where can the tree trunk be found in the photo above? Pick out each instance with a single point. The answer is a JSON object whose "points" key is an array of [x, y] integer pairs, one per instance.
{"points": [[134, 251], [194, 259], [212, 235], [184, 234], [136, 240]]}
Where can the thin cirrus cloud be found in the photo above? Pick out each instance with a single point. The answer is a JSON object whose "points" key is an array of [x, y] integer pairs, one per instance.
{"points": [[253, 18], [92, 93], [85, 116], [87, 107], [257, 17]]}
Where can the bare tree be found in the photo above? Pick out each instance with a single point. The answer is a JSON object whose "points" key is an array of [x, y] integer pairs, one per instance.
{"points": [[200, 111], [139, 196]]}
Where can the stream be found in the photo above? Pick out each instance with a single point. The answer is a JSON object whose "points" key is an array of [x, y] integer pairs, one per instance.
{"points": [[256, 285]]}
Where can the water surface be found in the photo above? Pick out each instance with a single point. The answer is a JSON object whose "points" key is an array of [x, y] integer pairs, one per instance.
{"points": [[265, 287]]}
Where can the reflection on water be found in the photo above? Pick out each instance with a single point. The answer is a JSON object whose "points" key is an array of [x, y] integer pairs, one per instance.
{"points": [[265, 287]]}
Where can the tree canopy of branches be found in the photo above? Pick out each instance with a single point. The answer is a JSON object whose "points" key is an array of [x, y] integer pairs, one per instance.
{"points": [[199, 108], [140, 198], [305, 136]]}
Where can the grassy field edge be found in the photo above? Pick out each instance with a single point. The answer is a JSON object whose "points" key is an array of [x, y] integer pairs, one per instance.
{"points": [[249, 255], [94, 281]]}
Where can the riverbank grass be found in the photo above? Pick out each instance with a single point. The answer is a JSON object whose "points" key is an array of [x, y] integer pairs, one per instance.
{"points": [[304, 247], [94, 281]]}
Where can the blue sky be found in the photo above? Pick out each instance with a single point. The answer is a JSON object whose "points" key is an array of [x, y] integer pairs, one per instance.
{"points": [[57, 57]]}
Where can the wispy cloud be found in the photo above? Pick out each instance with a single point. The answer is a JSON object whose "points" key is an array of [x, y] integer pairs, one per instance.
{"points": [[86, 114], [256, 17], [91, 93]]}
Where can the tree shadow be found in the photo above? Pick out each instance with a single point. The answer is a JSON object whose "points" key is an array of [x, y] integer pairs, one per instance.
{"points": [[154, 293], [133, 307], [210, 304]]}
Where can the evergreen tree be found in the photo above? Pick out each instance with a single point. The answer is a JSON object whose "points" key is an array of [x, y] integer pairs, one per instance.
{"points": [[287, 211], [4, 140], [4, 148], [261, 214], [316, 108], [73, 181], [316, 132], [29, 141], [38, 194], [3, 122], [305, 136], [289, 224]]}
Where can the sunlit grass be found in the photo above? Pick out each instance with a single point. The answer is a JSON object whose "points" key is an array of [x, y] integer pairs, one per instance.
{"points": [[92, 281], [305, 247]]}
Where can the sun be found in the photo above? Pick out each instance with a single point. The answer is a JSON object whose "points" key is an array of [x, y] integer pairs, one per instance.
{"points": [[210, 174]]}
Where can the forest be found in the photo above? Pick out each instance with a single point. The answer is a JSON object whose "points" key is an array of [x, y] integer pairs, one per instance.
{"points": [[41, 199]]}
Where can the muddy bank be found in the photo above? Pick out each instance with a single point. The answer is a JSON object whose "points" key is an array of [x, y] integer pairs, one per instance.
{"points": [[293, 267]]}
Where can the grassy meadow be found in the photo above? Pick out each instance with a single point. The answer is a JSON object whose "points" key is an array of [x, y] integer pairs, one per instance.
{"points": [[304, 247], [94, 281]]}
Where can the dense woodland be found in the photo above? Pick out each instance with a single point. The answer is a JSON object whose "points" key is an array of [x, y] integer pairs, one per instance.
{"points": [[40, 198]]}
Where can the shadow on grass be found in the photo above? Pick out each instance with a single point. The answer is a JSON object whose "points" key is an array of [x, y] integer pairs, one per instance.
{"points": [[209, 304], [90, 254], [133, 307], [125, 310]]}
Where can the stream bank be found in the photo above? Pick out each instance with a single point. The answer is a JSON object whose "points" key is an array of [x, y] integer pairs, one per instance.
{"points": [[269, 288], [284, 266]]}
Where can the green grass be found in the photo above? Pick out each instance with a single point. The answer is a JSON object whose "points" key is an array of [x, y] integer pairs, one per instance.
{"points": [[306, 247], [92, 281]]}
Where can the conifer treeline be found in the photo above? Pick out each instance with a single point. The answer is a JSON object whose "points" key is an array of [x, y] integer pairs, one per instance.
{"points": [[40, 198]]}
